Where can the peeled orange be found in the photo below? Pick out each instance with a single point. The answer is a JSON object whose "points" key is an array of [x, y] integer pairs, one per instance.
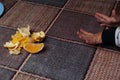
{"points": [[33, 47], [38, 36]]}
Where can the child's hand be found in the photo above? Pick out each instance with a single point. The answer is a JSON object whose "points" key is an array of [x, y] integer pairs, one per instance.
{"points": [[90, 38], [106, 21]]}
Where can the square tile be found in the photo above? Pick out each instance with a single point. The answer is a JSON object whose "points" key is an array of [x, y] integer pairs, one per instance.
{"points": [[105, 66], [68, 23], [8, 4], [6, 74], [22, 76], [5, 58], [22, 14], [57, 3], [92, 6], [60, 60]]}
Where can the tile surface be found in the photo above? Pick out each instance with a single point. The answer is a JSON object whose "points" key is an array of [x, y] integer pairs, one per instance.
{"points": [[28, 77], [8, 4], [57, 3], [6, 74], [69, 23], [91, 6], [23, 14], [5, 58], [5, 35], [60, 60], [105, 66]]}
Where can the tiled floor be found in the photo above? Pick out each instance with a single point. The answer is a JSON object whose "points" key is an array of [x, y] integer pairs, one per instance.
{"points": [[65, 56]]}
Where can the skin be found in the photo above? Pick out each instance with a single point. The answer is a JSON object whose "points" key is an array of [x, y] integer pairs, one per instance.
{"points": [[105, 21]]}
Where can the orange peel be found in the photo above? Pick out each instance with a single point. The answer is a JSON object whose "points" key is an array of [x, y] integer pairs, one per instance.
{"points": [[23, 38]]}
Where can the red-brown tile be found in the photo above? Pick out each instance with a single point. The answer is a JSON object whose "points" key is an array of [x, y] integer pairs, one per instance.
{"points": [[92, 6], [69, 23], [57, 3], [105, 66], [22, 76], [23, 14]]}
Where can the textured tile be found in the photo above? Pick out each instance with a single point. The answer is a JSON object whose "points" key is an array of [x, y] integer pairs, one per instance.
{"points": [[8, 4], [92, 6], [11, 60], [69, 23], [5, 34], [105, 66], [5, 58], [6, 74], [28, 77], [60, 60], [22, 14], [57, 3]]}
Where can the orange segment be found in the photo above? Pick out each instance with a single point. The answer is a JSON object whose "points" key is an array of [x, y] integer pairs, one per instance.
{"points": [[33, 47]]}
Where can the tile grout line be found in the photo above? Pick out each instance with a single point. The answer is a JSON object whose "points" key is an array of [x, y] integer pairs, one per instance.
{"points": [[56, 17], [24, 62], [45, 32], [80, 43], [71, 41], [5, 67], [37, 76]]}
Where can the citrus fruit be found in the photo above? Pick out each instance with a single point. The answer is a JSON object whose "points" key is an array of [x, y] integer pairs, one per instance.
{"points": [[33, 47], [38, 36]]}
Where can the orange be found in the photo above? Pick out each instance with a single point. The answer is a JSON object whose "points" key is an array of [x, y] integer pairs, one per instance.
{"points": [[33, 47]]}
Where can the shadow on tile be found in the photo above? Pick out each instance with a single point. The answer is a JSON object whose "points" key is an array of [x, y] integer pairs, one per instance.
{"points": [[60, 60]]}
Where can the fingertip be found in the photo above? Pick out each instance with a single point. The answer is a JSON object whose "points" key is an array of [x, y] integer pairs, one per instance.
{"points": [[77, 32]]}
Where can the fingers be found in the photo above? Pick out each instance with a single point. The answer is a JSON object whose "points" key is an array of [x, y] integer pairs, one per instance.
{"points": [[99, 15], [105, 25], [86, 36], [85, 32]]}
